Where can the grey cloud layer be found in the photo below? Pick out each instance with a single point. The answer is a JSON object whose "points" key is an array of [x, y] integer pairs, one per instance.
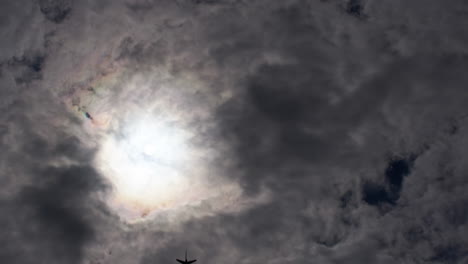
{"points": [[352, 112]]}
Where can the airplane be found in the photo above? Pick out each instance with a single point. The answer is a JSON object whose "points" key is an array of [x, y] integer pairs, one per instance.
{"points": [[89, 116], [186, 261]]}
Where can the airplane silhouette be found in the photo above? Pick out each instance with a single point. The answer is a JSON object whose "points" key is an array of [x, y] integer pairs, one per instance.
{"points": [[186, 261], [88, 115]]}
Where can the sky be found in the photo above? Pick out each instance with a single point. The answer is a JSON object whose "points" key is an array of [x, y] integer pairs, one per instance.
{"points": [[246, 131]]}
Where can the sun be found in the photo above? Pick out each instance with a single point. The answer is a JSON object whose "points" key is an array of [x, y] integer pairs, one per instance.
{"points": [[147, 162]]}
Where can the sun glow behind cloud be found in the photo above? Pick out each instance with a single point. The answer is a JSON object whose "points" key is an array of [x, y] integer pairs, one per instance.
{"points": [[147, 162], [154, 147]]}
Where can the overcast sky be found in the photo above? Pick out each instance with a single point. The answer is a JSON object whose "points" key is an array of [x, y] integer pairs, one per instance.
{"points": [[321, 131]]}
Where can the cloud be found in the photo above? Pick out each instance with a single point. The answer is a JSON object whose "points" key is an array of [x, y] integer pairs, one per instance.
{"points": [[48, 190], [342, 124], [55, 10]]}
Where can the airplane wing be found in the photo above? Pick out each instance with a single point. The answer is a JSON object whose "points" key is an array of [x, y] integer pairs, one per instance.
{"points": [[191, 261], [181, 261]]}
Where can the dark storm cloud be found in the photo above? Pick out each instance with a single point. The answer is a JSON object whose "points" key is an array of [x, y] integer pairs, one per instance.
{"points": [[352, 113], [49, 218], [388, 183], [48, 181], [59, 224], [288, 123]]}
